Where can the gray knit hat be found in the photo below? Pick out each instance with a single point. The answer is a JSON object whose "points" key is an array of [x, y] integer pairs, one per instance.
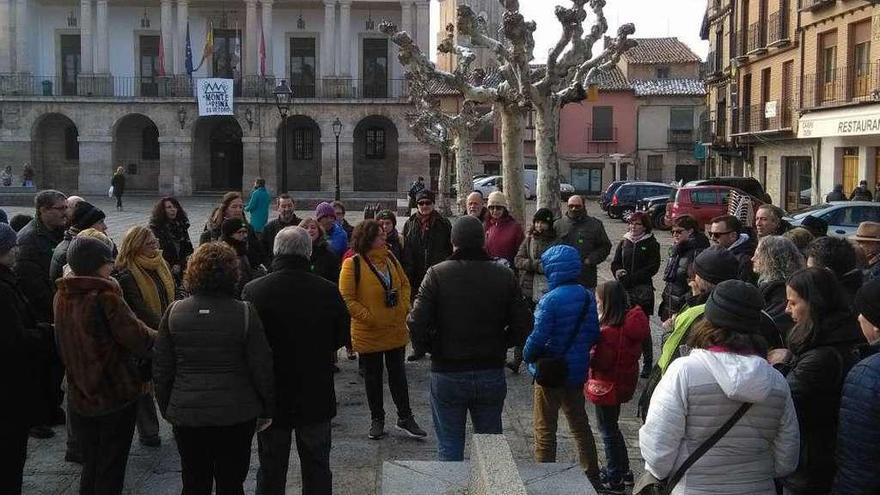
{"points": [[467, 232], [735, 305]]}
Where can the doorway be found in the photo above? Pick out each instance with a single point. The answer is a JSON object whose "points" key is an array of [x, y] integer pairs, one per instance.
{"points": [[850, 175], [798, 183], [226, 157]]}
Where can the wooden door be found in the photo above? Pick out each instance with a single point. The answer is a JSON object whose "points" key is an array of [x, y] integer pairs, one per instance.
{"points": [[850, 170]]}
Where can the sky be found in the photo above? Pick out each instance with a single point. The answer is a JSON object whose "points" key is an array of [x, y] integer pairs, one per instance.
{"points": [[652, 18]]}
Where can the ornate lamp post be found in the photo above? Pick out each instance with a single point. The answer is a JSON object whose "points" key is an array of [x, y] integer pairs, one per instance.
{"points": [[337, 130], [283, 99]]}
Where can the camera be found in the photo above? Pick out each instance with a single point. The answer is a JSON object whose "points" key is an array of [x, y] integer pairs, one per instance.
{"points": [[391, 298]]}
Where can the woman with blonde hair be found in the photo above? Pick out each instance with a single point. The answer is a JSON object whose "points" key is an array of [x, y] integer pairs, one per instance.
{"points": [[148, 288]]}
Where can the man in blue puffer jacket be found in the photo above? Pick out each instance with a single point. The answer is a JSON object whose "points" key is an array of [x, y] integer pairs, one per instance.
{"points": [[556, 316], [858, 437]]}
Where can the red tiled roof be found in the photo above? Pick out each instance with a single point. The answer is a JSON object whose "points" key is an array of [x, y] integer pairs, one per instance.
{"points": [[660, 51]]}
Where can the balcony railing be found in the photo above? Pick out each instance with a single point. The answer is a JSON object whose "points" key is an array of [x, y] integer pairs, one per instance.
{"points": [[740, 45], [680, 138], [753, 118], [778, 28], [841, 86], [601, 139], [815, 4], [707, 128], [757, 38], [108, 86]]}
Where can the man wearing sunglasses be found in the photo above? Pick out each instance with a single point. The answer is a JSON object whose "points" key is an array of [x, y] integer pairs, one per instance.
{"points": [[726, 232], [427, 240], [587, 235]]}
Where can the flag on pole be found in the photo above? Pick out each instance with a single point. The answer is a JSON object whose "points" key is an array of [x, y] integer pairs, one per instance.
{"points": [[189, 52], [209, 45], [160, 70], [262, 53]]}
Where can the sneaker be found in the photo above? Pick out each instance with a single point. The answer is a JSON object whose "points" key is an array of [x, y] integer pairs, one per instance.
{"points": [[415, 356], [611, 488], [410, 426], [151, 441], [377, 429], [42, 431]]}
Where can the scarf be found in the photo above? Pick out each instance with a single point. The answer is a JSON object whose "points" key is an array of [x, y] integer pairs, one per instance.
{"points": [[146, 284]]}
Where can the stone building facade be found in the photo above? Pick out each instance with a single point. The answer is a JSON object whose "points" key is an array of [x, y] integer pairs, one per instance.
{"points": [[89, 85]]}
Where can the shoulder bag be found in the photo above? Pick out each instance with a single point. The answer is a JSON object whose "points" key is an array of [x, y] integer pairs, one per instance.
{"points": [[603, 392], [648, 484], [551, 371]]}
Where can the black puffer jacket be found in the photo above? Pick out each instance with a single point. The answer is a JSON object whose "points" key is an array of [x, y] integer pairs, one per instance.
{"points": [[175, 244], [774, 304], [467, 313], [24, 351], [816, 380], [301, 352], [271, 230], [211, 368], [743, 251], [36, 244], [255, 253], [423, 249], [858, 441], [324, 261], [641, 260], [681, 256]]}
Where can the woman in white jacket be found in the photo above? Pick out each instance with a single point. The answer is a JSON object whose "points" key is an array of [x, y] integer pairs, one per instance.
{"points": [[701, 391]]}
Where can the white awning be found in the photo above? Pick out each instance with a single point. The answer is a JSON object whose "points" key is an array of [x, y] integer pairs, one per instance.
{"points": [[856, 121]]}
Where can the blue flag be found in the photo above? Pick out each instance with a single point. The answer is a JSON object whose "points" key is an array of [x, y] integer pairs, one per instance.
{"points": [[189, 52]]}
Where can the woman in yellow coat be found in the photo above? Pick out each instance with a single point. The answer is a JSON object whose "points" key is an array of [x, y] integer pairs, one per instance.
{"points": [[376, 291]]}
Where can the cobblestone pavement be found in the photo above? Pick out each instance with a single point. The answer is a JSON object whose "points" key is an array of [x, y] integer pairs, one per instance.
{"points": [[356, 460]]}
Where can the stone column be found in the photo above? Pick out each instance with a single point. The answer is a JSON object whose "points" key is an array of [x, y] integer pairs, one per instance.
{"points": [[180, 39], [344, 38], [5, 38], [22, 21], [175, 165], [95, 165], [267, 36], [423, 26], [328, 40], [406, 18], [251, 39], [167, 26], [85, 37], [102, 54]]}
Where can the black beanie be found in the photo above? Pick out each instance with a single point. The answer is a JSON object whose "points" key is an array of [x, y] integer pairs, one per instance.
{"points": [[86, 255], [868, 302], [467, 232], [735, 305], [816, 226], [543, 215], [425, 194], [715, 265], [231, 226], [387, 215], [85, 215]]}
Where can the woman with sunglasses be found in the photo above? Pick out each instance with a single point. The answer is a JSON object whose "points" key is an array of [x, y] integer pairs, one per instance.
{"points": [[503, 233], [636, 261], [687, 242]]}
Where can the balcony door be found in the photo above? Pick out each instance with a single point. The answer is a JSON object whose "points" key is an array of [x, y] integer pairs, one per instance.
{"points": [[375, 68], [828, 66], [302, 67], [226, 61], [850, 173], [149, 65], [70, 63]]}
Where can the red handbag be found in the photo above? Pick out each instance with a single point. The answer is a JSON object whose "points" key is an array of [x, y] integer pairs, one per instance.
{"points": [[603, 392]]}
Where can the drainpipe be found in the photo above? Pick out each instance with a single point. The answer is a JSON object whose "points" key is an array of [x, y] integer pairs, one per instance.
{"points": [[636, 159]]}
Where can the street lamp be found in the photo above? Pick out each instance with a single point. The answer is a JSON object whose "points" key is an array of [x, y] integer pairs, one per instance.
{"points": [[337, 130], [283, 99]]}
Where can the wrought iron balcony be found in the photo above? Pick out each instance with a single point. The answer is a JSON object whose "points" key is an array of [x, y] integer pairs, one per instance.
{"points": [[842, 86], [812, 5], [778, 28], [753, 118], [680, 138], [601, 139], [757, 38]]}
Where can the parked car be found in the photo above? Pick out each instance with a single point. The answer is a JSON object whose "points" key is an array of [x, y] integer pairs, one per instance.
{"points": [[566, 190], [487, 185], [605, 198], [843, 217], [627, 195], [702, 202], [655, 207], [749, 185]]}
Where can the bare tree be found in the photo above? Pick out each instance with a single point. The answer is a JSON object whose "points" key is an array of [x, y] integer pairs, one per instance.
{"points": [[452, 133], [570, 66]]}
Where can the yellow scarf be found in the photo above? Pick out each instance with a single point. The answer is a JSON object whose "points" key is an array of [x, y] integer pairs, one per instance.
{"points": [[145, 283]]}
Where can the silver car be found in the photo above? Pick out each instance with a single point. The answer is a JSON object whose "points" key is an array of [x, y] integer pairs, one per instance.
{"points": [[843, 217]]}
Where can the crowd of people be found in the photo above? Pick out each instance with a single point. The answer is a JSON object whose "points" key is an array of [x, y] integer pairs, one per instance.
{"points": [[769, 345]]}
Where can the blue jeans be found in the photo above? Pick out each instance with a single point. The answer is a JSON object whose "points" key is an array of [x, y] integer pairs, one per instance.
{"points": [[453, 395], [616, 458]]}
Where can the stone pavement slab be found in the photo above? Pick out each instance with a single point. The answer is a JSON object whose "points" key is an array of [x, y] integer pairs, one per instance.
{"points": [[355, 460]]}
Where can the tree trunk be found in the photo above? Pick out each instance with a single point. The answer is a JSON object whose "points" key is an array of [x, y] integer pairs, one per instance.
{"points": [[443, 183], [547, 155], [464, 167], [512, 160]]}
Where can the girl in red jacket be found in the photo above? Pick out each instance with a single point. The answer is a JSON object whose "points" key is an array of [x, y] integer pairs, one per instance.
{"points": [[614, 372]]}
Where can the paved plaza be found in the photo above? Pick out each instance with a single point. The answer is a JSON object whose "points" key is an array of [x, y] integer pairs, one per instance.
{"points": [[356, 460]]}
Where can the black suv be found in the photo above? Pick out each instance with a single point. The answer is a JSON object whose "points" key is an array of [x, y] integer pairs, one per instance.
{"points": [[626, 197], [655, 207], [605, 198], [750, 185]]}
